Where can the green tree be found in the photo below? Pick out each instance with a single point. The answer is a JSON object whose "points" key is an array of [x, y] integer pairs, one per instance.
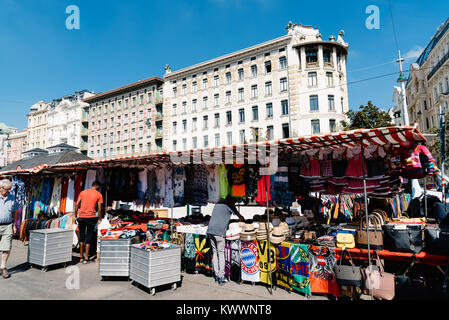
{"points": [[367, 117]]}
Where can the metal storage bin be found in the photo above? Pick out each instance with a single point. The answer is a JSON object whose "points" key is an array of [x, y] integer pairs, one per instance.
{"points": [[50, 246], [115, 256], [155, 268]]}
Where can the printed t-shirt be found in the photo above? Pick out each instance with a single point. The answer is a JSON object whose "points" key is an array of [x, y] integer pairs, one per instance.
{"points": [[89, 199]]}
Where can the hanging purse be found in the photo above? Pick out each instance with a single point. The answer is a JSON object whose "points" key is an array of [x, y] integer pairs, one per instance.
{"points": [[348, 275], [403, 237], [376, 239], [436, 240], [380, 282], [345, 239]]}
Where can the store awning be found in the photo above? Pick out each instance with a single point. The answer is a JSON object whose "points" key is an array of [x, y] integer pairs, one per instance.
{"points": [[377, 136]]}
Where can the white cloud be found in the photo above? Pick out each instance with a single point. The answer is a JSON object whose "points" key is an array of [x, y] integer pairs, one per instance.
{"points": [[414, 53]]}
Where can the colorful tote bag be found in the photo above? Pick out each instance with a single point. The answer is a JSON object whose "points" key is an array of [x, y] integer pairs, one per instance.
{"points": [[322, 277], [283, 275], [189, 260], [267, 259], [250, 261], [299, 268], [203, 255]]}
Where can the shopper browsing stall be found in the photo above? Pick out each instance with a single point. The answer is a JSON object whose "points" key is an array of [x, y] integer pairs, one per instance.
{"points": [[216, 230], [8, 206], [87, 217]]}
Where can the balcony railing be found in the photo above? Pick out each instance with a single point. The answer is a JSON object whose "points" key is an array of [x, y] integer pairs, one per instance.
{"points": [[84, 116], [438, 65]]}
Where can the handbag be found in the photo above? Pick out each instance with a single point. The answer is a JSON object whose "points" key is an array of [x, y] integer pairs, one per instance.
{"points": [[436, 240], [441, 212], [376, 238], [348, 275], [403, 237], [380, 282], [345, 240]]}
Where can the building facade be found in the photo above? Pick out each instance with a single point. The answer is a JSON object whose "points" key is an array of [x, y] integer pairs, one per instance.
{"points": [[395, 112], [126, 120], [18, 145], [67, 121], [37, 126], [427, 88], [5, 132], [291, 86]]}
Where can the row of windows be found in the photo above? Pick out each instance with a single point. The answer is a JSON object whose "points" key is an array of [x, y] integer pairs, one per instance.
{"points": [[123, 150], [115, 106], [435, 89], [119, 119], [313, 81], [117, 138], [228, 119], [314, 103], [269, 135], [315, 123], [228, 76], [240, 97]]}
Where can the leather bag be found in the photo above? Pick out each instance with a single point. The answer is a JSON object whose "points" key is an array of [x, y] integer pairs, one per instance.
{"points": [[403, 237], [345, 240], [376, 238], [380, 282], [441, 212], [348, 275], [436, 240]]}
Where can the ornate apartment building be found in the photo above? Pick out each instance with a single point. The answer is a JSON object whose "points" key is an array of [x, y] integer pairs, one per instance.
{"points": [[5, 133], [37, 126], [67, 121], [17, 145], [427, 88], [126, 120], [294, 85]]}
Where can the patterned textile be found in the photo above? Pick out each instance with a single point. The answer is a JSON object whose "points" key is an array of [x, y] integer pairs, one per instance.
{"points": [[189, 253], [279, 188], [203, 252], [200, 194], [251, 183], [283, 275], [150, 193], [55, 201], [179, 178], [168, 200], [326, 168], [267, 258], [237, 176], [236, 268], [213, 184], [224, 184], [299, 268], [250, 261], [262, 185], [322, 277], [19, 191]]}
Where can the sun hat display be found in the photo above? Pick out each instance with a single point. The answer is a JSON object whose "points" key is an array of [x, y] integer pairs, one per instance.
{"points": [[277, 235], [291, 222], [262, 231], [233, 232], [248, 232], [284, 227], [276, 221]]}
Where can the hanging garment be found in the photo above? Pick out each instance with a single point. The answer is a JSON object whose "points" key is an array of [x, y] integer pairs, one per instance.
{"points": [[188, 184], [213, 184], [99, 176], [90, 178], [322, 277], [263, 185], [200, 194], [70, 205], [224, 184], [45, 195], [283, 274], [19, 191], [250, 261], [355, 168], [311, 170], [169, 195], [179, 178], [55, 201], [142, 184], [236, 267], [64, 191], [267, 259], [79, 184], [299, 268], [160, 185], [203, 252], [418, 162], [237, 175], [279, 189], [150, 194], [251, 182], [37, 208], [326, 168], [339, 168]]}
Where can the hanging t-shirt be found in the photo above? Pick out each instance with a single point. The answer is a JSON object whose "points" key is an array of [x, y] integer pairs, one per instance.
{"points": [[299, 268], [267, 258], [200, 194], [70, 205], [160, 185], [142, 184], [65, 187], [250, 261], [179, 178], [262, 186], [168, 199], [203, 251], [90, 178], [236, 177], [55, 201], [189, 253], [79, 184], [283, 275], [322, 277], [213, 184], [224, 185]]}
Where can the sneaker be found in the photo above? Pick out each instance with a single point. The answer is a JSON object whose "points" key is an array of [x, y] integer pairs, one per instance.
{"points": [[5, 273], [221, 282], [225, 279]]}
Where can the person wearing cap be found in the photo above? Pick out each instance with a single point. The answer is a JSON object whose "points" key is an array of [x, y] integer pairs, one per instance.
{"points": [[8, 206], [218, 224], [88, 218]]}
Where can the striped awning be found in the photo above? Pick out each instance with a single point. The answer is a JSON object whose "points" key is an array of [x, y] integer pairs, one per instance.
{"points": [[378, 136]]}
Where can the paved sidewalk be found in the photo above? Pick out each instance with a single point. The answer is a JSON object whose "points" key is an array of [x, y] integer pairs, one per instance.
{"points": [[32, 283]]}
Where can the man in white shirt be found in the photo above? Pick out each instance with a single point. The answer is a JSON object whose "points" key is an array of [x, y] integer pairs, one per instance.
{"points": [[8, 206]]}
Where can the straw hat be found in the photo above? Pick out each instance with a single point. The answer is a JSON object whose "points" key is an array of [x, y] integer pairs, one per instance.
{"points": [[291, 222], [277, 235], [276, 221], [233, 232], [284, 227], [248, 232]]}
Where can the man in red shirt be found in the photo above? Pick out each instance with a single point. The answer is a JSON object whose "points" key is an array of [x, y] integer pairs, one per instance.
{"points": [[88, 214]]}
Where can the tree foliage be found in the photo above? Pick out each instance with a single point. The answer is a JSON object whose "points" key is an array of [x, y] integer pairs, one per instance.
{"points": [[367, 117]]}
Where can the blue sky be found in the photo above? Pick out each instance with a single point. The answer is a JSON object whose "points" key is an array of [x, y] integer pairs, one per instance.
{"points": [[120, 42]]}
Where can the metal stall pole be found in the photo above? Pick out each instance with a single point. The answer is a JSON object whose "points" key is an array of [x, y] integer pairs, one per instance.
{"points": [[268, 238], [172, 200], [366, 216], [425, 198]]}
